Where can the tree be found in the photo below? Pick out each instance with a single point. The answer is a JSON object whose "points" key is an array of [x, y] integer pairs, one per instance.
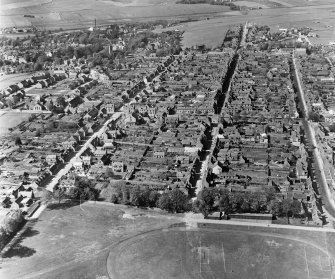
{"points": [[165, 202], [153, 198], [9, 103], [145, 197], [295, 207], [245, 206], [286, 206], [313, 116], [12, 221], [49, 105], [205, 201], [18, 141], [275, 207], [83, 190], [270, 193], [38, 66], [179, 200], [136, 196], [236, 200], [258, 201], [125, 194], [291, 208], [224, 202], [61, 101], [114, 199], [117, 196], [46, 196], [59, 194]]}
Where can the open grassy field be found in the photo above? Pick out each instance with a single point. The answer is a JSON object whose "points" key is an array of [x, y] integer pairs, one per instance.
{"points": [[74, 241], [226, 253], [212, 31], [207, 32], [11, 119], [7, 80], [107, 241]]}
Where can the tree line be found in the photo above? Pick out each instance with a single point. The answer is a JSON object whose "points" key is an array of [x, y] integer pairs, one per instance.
{"points": [[210, 200], [174, 201]]}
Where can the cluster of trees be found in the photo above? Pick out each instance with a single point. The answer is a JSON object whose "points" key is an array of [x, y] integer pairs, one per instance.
{"points": [[211, 2], [213, 199], [170, 41], [84, 190], [210, 200], [286, 207], [11, 224], [173, 201], [314, 116]]}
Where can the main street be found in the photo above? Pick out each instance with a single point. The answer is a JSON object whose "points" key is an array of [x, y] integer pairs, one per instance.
{"points": [[328, 201]]}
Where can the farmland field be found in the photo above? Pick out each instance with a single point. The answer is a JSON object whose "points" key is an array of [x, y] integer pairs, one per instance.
{"points": [[91, 240], [251, 4], [23, 4], [211, 31], [81, 13]]}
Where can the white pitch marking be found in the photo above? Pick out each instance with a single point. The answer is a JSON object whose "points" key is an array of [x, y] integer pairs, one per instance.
{"points": [[200, 253], [329, 258], [223, 258], [208, 255], [306, 261]]}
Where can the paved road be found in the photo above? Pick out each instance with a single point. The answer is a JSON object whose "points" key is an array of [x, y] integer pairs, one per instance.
{"points": [[68, 166], [329, 203], [195, 219], [50, 186]]}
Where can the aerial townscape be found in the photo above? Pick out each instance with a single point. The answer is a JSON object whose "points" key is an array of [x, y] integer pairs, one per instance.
{"points": [[168, 144]]}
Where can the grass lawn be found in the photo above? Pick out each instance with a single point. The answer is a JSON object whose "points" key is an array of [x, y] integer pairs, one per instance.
{"points": [[11, 119], [233, 252], [7, 80], [110, 241], [72, 241]]}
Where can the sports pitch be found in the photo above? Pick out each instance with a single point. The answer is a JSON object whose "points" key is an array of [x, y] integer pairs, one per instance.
{"points": [[233, 253], [107, 241]]}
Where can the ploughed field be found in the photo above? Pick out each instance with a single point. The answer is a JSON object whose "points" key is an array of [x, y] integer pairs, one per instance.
{"points": [[81, 13], [55, 14]]}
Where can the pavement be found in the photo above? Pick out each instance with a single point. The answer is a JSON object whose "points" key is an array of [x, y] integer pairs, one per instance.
{"points": [[192, 220]]}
